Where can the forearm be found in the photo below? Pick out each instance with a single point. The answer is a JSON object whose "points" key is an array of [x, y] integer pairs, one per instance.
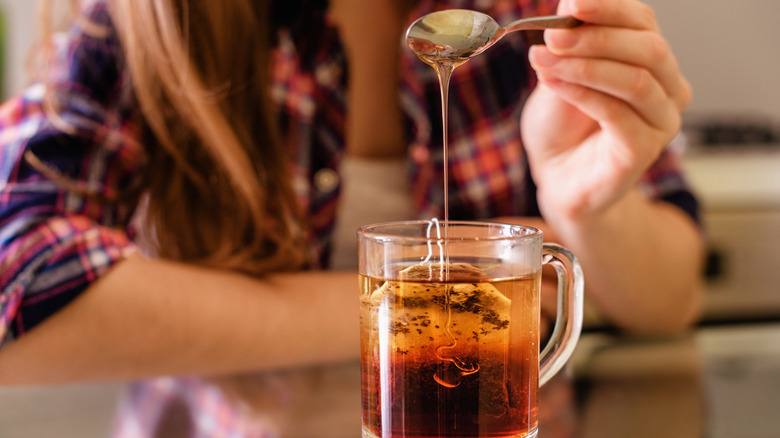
{"points": [[641, 261], [374, 127], [151, 317]]}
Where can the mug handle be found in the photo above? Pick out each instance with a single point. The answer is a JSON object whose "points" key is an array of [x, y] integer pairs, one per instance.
{"points": [[568, 323]]}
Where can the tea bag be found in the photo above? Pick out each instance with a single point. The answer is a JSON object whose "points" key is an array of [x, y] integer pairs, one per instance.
{"points": [[461, 321]]}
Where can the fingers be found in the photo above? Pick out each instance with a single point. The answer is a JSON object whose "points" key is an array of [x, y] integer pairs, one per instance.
{"points": [[643, 49], [635, 142], [631, 14], [634, 86], [618, 59]]}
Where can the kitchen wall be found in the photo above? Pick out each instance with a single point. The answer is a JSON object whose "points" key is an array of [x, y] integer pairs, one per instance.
{"points": [[20, 33], [729, 50]]}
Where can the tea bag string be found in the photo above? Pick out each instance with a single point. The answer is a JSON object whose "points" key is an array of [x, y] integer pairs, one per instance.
{"points": [[431, 223]]}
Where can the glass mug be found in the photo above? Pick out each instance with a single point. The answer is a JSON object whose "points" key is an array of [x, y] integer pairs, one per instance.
{"points": [[449, 327]]}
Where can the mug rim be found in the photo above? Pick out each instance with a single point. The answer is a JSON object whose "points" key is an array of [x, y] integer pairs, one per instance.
{"points": [[370, 231]]}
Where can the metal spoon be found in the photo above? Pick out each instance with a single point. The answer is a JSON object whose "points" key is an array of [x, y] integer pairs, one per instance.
{"points": [[459, 34]]}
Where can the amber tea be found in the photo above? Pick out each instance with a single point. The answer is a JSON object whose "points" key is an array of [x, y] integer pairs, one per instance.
{"points": [[449, 328], [454, 358]]}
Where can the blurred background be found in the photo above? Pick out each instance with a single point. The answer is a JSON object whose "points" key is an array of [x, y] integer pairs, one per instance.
{"points": [[730, 52]]}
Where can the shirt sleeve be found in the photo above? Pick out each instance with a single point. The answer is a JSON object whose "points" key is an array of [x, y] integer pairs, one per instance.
{"points": [[665, 181], [64, 183]]}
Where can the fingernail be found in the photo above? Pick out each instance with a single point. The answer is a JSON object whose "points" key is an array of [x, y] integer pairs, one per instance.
{"points": [[560, 38], [584, 6], [541, 57]]}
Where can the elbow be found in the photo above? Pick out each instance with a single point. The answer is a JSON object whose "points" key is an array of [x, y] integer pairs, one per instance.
{"points": [[674, 319]]}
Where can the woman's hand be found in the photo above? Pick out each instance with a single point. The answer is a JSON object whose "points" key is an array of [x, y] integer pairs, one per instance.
{"points": [[609, 100]]}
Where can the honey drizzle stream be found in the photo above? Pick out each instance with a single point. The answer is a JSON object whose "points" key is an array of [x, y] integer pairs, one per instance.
{"points": [[444, 71], [444, 68]]}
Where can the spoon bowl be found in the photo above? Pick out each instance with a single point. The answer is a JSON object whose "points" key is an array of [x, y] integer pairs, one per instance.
{"points": [[459, 34]]}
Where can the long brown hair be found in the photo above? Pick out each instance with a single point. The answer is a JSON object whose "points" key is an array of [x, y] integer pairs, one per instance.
{"points": [[217, 176]]}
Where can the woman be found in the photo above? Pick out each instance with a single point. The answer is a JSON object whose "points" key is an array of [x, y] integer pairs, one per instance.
{"points": [[175, 187]]}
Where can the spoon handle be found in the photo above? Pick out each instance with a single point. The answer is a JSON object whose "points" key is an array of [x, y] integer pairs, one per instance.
{"points": [[545, 22]]}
